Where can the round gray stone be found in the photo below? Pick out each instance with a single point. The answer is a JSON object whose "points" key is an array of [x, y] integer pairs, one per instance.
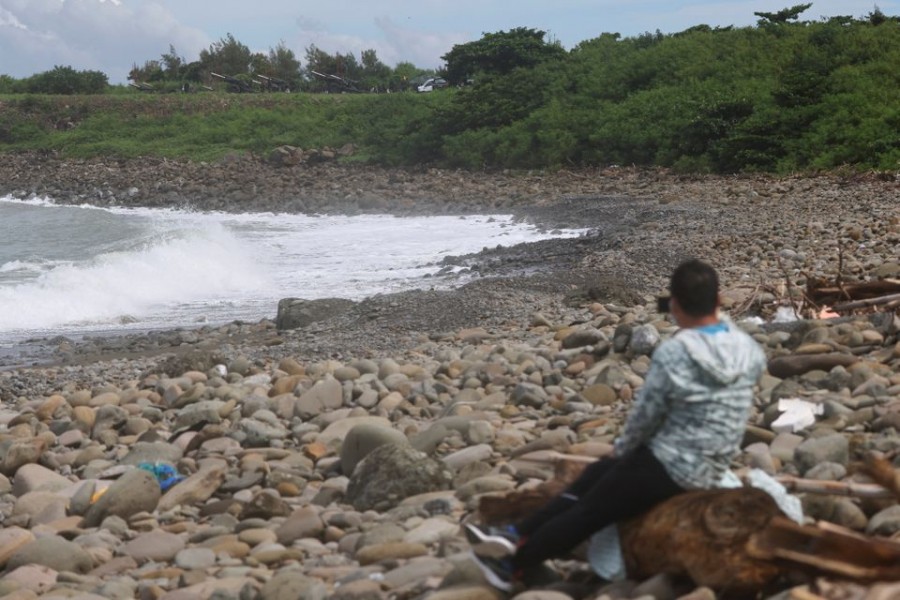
{"points": [[54, 552], [363, 439]]}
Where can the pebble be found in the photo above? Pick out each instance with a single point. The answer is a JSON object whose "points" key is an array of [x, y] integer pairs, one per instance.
{"points": [[53, 552], [345, 474], [158, 546]]}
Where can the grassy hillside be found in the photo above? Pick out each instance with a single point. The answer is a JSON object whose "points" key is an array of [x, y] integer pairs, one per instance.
{"points": [[209, 125], [778, 97]]}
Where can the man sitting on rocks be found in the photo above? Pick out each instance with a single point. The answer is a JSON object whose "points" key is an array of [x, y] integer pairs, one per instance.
{"points": [[681, 434]]}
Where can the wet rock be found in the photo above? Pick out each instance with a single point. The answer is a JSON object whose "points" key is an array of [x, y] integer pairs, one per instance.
{"points": [[832, 448], [198, 487], [788, 366], [885, 523], [53, 552], [12, 539], [195, 558], [41, 507], [135, 491], [158, 452], [364, 438], [18, 453], [644, 338], [395, 550], [157, 546], [326, 394], [33, 478], [391, 473], [291, 584], [583, 337], [302, 523], [294, 313], [34, 578]]}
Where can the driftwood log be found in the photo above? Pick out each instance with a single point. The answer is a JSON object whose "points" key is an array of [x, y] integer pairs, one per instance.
{"points": [[852, 295], [736, 541]]}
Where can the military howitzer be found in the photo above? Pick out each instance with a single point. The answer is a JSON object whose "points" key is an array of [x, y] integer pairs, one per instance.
{"points": [[143, 87], [272, 84], [235, 85], [336, 83]]}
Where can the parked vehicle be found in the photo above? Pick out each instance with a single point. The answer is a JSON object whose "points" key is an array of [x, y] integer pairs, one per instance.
{"points": [[432, 83]]}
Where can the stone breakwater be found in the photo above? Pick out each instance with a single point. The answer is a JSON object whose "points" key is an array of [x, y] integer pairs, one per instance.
{"points": [[337, 460]]}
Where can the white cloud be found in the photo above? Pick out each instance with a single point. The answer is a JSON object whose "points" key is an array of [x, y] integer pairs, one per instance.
{"points": [[111, 35], [104, 35], [394, 44]]}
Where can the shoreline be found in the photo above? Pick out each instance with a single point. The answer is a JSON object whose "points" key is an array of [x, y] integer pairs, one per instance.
{"points": [[541, 351], [642, 223]]}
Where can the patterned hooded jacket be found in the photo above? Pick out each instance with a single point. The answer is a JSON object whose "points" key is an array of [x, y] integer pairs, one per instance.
{"points": [[693, 408]]}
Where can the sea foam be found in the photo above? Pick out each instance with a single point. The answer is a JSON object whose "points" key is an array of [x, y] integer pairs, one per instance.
{"points": [[176, 268]]}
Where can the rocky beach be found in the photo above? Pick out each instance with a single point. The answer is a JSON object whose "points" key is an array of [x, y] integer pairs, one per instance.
{"points": [[335, 456]]}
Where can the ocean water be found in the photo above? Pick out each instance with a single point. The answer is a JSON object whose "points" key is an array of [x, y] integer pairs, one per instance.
{"points": [[72, 270]]}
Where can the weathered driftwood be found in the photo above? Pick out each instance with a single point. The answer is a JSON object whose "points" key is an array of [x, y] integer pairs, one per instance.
{"points": [[889, 299], [835, 488], [822, 293], [736, 541], [886, 479], [826, 549], [798, 364], [703, 535], [883, 473]]}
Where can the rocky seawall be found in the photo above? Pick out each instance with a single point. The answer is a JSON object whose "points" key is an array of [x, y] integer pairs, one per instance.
{"points": [[337, 460]]}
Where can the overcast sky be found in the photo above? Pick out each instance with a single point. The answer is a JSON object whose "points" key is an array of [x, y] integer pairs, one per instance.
{"points": [[112, 35]]}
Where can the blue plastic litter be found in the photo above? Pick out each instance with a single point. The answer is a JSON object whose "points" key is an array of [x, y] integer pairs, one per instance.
{"points": [[165, 474]]}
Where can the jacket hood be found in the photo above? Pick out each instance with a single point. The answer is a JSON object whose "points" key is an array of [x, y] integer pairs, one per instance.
{"points": [[726, 356]]}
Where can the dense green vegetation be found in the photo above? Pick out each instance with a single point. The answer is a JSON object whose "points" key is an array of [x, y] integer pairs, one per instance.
{"points": [[781, 96]]}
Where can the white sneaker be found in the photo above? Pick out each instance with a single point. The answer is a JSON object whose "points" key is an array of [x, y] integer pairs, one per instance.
{"points": [[489, 545]]}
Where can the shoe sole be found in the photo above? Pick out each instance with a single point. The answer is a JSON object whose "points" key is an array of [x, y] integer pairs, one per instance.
{"points": [[488, 546], [492, 578]]}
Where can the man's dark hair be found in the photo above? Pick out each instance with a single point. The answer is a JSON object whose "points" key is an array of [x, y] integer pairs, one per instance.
{"points": [[695, 285]]}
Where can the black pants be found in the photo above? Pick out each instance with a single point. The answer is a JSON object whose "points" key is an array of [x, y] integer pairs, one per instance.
{"points": [[608, 491]]}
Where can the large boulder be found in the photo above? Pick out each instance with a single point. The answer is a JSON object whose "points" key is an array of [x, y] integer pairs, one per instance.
{"points": [[294, 313], [392, 473]]}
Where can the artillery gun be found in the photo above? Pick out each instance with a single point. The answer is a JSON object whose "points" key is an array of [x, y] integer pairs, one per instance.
{"points": [[272, 84], [235, 85], [336, 83]]}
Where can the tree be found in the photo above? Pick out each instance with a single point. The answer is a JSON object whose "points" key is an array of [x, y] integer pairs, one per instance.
{"points": [[8, 84], [404, 74], [66, 80], [500, 53], [876, 17], [226, 56], [342, 70], [172, 64], [284, 64], [375, 74], [784, 15], [151, 71]]}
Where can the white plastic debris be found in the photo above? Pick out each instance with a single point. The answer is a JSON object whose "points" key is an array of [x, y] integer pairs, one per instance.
{"points": [[754, 320], [790, 505], [796, 414], [785, 314]]}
